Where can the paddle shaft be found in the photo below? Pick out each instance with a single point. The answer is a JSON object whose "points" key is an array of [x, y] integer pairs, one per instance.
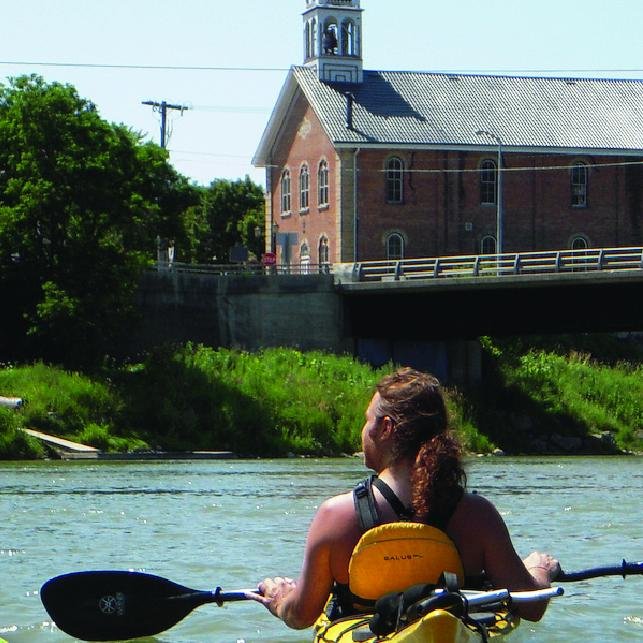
{"points": [[232, 596], [624, 569]]}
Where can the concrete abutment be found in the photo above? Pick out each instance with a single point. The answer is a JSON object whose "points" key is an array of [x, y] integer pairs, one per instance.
{"points": [[306, 312]]}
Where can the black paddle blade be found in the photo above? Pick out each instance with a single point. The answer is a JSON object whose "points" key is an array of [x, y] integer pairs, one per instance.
{"points": [[115, 605]]}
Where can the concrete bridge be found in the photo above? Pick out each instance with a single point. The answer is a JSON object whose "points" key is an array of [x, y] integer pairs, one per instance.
{"points": [[427, 312]]}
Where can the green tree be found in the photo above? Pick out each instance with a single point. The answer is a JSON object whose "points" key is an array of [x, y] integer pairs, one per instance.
{"points": [[232, 212], [194, 227], [81, 204]]}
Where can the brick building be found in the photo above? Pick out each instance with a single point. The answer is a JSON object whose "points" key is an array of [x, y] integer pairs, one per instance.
{"points": [[377, 164]]}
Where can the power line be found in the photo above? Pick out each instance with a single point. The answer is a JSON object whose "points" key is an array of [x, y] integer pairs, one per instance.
{"points": [[233, 109], [538, 71], [226, 156], [34, 63], [526, 168], [143, 67]]}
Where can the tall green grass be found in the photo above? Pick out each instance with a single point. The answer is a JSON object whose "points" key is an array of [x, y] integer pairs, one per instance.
{"points": [[67, 404], [598, 397], [271, 402], [279, 401], [58, 401]]}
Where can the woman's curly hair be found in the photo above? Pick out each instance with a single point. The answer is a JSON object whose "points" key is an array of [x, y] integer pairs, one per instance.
{"points": [[414, 401]]}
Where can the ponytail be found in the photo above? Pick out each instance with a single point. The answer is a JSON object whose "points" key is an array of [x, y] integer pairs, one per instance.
{"points": [[438, 479], [415, 402]]}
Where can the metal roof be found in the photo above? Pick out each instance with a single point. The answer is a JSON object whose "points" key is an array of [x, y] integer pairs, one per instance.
{"points": [[420, 109]]}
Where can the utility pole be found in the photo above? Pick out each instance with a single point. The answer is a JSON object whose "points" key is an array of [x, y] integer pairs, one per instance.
{"points": [[164, 246], [162, 107]]}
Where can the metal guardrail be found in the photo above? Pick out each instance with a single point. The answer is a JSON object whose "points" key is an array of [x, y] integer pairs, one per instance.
{"points": [[248, 269], [523, 263], [510, 263]]}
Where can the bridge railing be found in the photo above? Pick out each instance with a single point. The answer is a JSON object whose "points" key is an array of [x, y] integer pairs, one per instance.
{"points": [[552, 261], [510, 263], [247, 269]]}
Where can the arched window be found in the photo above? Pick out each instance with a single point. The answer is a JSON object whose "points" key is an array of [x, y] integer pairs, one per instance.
{"points": [[579, 258], [488, 245], [348, 38], [314, 49], [488, 182], [322, 184], [307, 41], [330, 40], [579, 185], [579, 243], [324, 260], [394, 180], [285, 191], [395, 246], [304, 185], [304, 259]]}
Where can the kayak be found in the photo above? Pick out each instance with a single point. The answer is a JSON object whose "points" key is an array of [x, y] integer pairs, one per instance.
{"points": [[439, 626], [463, 616]]}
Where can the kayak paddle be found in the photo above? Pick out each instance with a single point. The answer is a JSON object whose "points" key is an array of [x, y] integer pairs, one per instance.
{"points": [[116, 605]]}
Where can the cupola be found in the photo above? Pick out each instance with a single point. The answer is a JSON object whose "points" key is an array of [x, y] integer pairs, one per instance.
{"points": [[333, 40]]}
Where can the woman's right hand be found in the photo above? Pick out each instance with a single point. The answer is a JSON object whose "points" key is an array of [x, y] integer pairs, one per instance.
{"points": [[272, 593]]}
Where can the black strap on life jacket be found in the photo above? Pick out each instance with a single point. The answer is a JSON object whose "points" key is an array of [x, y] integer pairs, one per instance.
{"points": [[367, 511], [365, 503], [398, 506]]}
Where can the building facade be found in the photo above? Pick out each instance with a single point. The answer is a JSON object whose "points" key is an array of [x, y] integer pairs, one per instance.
{"points": [[363, 165]]}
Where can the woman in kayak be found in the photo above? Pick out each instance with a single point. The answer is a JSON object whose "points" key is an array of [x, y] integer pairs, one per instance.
{"points": [[406, 441]]}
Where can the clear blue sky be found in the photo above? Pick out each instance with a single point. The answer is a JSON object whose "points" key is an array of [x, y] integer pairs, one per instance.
{"points": [[103, 46]]}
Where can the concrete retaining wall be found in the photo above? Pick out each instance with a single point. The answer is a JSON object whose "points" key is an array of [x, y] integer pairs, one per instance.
{"points": [[248, 312]]}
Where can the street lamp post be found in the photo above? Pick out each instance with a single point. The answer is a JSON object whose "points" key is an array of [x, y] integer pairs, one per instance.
{"points": [[274, 233], [499, 209]]}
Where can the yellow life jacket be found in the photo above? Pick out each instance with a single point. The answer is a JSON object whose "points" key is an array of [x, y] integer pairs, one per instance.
{"points": [[394, 556]]}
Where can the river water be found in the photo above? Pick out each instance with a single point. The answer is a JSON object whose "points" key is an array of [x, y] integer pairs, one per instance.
{"points": [[229, 523]]}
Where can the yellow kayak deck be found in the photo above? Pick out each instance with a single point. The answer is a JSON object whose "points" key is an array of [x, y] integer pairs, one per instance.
{"points": [[438, 626]]}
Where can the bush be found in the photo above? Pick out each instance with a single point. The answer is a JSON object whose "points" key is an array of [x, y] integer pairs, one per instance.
{"points": [[99, 436], [14, 443]]}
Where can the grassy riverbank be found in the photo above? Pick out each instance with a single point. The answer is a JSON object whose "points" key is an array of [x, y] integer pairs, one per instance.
{"points": [[570, 395], [279, 401]]}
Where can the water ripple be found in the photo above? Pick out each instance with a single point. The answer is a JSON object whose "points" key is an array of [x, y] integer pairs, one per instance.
{"points": [[231, 523]]}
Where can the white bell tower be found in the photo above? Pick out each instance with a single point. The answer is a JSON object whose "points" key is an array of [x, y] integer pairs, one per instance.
{"points": [[333, 40]]}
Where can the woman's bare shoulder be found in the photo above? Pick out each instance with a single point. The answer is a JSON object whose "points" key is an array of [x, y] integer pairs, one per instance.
{"points": [[336, 514], [476, 509], [340, 501], [474, 501]]}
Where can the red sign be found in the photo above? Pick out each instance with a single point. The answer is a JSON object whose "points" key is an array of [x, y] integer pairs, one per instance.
{"points": [[268, 258]]}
